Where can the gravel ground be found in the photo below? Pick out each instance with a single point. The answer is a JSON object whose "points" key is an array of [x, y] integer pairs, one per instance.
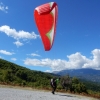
{"points": [[24, 94]]}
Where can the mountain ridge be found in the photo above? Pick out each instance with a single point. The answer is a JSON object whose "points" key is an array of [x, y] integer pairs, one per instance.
{"points": [[84, 73]]}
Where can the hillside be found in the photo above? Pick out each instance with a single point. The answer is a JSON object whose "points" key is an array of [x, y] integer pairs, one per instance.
{"points": [[14, 74]]}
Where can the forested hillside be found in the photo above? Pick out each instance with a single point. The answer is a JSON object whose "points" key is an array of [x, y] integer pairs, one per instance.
{"points": [[13, 74]]}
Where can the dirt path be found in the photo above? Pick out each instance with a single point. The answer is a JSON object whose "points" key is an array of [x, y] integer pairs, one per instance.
{"points": [[7, 93]]}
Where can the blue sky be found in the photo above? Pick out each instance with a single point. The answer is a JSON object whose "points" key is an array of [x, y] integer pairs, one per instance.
{"points": [[77, 40]]}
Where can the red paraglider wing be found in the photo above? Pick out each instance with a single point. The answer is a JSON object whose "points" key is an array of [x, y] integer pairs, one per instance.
{"points": [[46, 19]]}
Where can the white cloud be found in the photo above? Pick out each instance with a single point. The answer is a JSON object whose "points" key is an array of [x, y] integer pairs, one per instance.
{"points": [[75, 61], [14, 59], [34, 55], [17, 34], [6, 52], [95, 61], [18, 43], [48, 71], [3, 7]]}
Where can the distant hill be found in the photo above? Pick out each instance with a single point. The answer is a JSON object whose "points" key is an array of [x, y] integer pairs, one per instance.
{"points": [[86, 73]]}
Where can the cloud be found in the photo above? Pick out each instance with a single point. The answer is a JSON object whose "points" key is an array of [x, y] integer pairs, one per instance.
{"points": [[34, 55], [75, 61], [6, 52], [18, 43], [48, 71], [95, 62], [18, 35], [3, 7], [14, 59]]}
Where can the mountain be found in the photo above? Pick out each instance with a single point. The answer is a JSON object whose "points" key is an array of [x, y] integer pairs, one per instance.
{"points": [[86, 73]]}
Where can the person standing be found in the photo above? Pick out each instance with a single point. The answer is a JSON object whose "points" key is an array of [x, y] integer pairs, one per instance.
{"points": [[54, 83]]}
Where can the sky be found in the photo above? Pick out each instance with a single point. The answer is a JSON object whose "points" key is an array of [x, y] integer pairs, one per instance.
{"points": [[77, 40]]}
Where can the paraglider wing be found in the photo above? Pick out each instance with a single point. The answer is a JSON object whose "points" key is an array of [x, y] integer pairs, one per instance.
{"points": [[46, 19]]}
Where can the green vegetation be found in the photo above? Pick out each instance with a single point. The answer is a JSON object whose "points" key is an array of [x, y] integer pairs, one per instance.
{"points": [[73, 84], [12, 74], [93, 88]]}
